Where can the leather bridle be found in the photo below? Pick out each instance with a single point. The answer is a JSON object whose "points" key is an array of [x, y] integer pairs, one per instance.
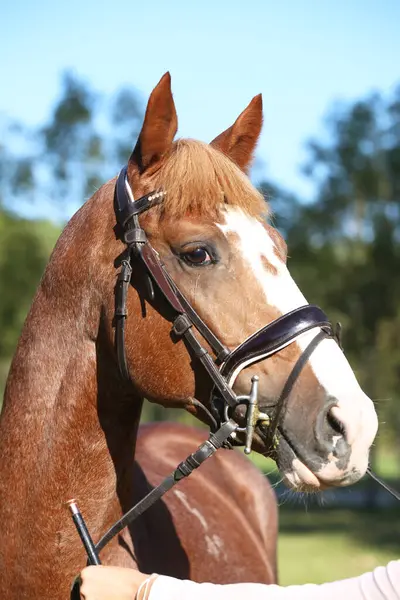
{"points": [[222, 370], [265, 342]]}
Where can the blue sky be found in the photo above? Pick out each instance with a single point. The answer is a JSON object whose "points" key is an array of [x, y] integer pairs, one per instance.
{"points": [[301, 54]]}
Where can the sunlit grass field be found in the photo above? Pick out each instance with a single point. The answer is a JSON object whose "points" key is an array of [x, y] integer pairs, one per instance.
{"points": [[326, 544]]}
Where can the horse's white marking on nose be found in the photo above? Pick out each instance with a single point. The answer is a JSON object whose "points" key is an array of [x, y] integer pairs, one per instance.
{"points": [[327, 361]]}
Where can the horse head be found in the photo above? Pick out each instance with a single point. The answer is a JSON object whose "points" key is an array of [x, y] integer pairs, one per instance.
{"points": [[211, 236]]}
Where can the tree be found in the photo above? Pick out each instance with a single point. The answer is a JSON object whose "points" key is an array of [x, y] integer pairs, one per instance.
{"points": [[85, 141]]}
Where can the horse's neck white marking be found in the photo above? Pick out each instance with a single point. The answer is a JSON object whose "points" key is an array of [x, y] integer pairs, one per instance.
{"points": [[327, 361]]}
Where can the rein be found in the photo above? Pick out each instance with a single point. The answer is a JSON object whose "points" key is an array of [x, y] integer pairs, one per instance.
{"points": [[222, 370], [383, 484]]}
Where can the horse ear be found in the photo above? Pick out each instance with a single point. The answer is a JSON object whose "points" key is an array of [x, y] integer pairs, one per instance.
{"points": [[239, 141], [159, 128]]}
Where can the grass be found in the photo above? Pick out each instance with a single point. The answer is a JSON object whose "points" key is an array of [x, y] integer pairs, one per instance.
{"points": [[323, 544]]}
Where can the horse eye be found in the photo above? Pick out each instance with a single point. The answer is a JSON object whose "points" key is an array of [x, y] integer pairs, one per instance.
{"points": [[198, 257]]}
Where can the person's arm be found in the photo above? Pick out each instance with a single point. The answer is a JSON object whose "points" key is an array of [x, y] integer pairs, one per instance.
{"points": [[114, 583], [381, 584]]}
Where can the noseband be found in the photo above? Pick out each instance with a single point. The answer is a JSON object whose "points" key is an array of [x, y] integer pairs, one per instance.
{"points": [[222, 370]]}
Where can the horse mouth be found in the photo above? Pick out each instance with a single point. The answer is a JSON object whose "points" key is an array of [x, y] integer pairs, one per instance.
{"points": [[296, 474], [294, 470]]}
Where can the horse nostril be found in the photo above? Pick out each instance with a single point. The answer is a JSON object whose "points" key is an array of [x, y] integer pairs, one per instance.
{"points": [[334, 423], [331, 432]]}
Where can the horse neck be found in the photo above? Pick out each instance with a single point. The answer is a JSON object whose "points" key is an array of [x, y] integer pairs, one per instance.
{"points": [[68, 426]]}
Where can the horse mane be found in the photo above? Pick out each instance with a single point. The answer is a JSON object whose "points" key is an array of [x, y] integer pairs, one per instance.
{"points": [[199, 179]]}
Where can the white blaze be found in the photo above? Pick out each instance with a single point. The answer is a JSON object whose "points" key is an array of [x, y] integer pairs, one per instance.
{"points": [[355, 410]]}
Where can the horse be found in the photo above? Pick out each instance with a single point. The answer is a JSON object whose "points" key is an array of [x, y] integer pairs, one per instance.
{"points": [[69, 425]]}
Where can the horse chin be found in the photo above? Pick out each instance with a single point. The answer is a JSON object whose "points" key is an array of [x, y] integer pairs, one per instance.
{"points": [[296, 474]]}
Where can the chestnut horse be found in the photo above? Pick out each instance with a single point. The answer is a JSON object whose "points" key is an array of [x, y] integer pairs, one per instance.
{"points": [[70, 420]]}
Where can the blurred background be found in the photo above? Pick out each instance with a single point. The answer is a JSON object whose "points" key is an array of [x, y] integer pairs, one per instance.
{"points": [[75, 77]]}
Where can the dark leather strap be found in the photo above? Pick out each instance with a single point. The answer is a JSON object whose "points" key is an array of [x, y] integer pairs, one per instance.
{"points": [[274, 336], [121, 292], [208, 363], [137, 510], [154, 267], [177, 300], [184, 469], [76, 590], [124, 204], [293, 377], [181, 326], [221, 351]]}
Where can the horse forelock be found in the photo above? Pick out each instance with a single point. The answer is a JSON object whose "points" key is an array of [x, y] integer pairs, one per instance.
{"points": [[199, 179]]}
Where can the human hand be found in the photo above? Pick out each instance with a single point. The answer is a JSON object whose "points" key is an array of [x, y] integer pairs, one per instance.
{"points": [[110, 583]]}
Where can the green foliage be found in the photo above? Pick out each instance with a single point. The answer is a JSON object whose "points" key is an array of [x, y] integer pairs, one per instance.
{"points": [[85, 141], [325, 545], [24, 250]]}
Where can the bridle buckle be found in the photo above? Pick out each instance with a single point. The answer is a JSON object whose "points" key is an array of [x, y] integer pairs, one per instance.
{"points": [[253, 414], [137, 235]]}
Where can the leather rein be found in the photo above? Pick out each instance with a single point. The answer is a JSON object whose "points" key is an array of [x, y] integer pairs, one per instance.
{"points": [[262, 344]]}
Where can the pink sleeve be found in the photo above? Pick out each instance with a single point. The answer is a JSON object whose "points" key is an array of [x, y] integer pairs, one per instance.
{"points": [[381, 584]]}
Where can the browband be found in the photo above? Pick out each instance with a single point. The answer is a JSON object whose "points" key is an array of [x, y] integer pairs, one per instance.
{"points": [[125, 205]]}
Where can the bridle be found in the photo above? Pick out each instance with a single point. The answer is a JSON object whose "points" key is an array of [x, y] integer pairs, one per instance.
{"points": [[222, 370]]}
